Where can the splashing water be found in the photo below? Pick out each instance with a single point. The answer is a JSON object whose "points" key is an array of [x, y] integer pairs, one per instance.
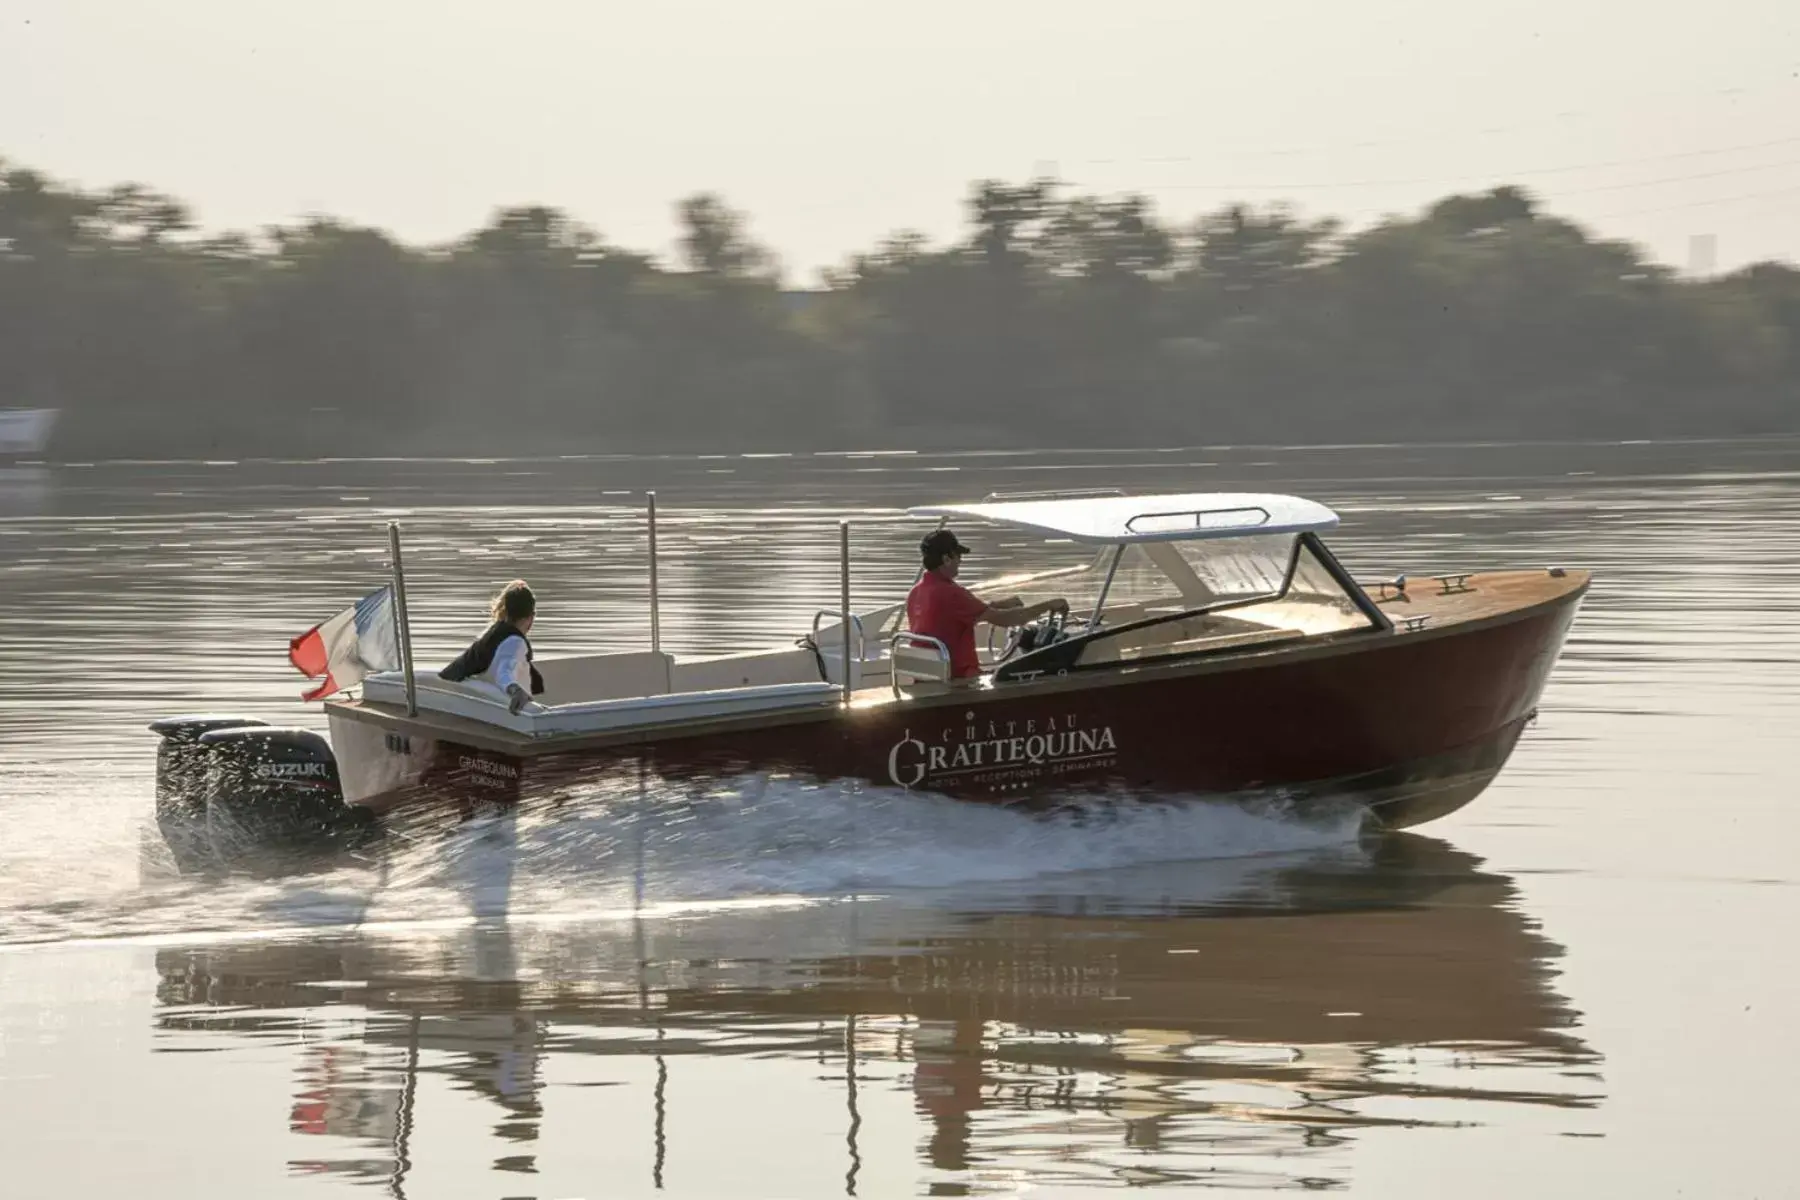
{"points": [[744, 839]]}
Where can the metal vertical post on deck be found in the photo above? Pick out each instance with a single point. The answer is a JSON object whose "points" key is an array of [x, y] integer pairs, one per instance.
{"points": [[655, 614], [402, 626], [844, 599], [1112, 569]]}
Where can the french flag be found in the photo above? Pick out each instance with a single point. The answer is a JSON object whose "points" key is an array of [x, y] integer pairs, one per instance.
{"points": [[358, 641]]}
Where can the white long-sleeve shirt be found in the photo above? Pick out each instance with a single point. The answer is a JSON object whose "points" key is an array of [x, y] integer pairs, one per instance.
{"points": [[509, 666]]}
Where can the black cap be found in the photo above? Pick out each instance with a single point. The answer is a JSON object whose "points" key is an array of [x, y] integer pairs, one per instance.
{"points": [[935, 547]]}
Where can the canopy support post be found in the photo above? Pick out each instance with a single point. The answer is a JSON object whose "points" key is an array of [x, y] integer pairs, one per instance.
{"points": [[844, 600], [655, 613], [1111, 570]]}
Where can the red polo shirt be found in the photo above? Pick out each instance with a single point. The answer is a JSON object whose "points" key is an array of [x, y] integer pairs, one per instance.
{"points": [[947, 611]]}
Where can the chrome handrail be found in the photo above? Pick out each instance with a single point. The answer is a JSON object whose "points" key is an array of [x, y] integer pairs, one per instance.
{"points": [[1198, 513], [855, 622], [919, 640], [861, 647]]}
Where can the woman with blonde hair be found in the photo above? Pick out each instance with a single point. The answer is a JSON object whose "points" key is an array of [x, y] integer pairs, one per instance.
{"points": [[502, 655]]}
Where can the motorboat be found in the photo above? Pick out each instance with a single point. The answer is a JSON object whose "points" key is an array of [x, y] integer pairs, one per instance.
{"points": [[1215, 646], [25, 432]]}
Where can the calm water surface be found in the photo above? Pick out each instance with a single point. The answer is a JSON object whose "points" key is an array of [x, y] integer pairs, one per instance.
{"points": [[1582, 985]]}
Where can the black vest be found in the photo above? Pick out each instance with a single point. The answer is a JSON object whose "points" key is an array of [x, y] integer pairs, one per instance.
{"points": [[480, 656]]}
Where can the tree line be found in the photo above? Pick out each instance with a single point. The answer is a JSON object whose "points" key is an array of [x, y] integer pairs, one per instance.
{"points": [[1056, 319]]}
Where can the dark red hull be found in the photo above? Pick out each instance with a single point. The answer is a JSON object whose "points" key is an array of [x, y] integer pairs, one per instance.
{"points": [[1412, 724]]}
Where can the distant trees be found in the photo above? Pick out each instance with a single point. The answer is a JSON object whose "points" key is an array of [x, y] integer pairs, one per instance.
{"points": [[1056, 319]]}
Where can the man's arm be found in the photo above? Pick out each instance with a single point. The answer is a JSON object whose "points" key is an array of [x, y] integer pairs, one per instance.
{"points": [[1006, 616]]}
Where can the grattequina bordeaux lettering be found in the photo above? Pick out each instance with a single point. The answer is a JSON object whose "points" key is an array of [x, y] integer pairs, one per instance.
{"points": [[1011, 750], [487, 766]]}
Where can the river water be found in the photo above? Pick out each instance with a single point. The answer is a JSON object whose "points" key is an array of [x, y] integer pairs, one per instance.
{"points": [[1582, 984]]}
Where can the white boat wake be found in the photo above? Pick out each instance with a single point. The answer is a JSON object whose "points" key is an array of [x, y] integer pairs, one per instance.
{"points": [[744, 842]]}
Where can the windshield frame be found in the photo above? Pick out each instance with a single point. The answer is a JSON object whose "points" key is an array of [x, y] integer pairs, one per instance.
{"points": [[1063, 658]]}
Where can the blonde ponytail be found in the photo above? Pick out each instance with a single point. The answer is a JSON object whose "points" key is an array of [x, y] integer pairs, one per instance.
{"points": [[514, 603]]}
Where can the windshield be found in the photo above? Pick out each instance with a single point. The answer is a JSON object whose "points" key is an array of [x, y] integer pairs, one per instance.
{"points": [[1251, 608], [1315, 604], [1152, 578]]}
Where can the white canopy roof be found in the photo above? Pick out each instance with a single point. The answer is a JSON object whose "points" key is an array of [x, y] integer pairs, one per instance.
{"points": [[1111, 519]]}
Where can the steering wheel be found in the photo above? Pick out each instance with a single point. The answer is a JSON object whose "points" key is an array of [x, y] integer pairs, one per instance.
{"points": [[1047, 630]]}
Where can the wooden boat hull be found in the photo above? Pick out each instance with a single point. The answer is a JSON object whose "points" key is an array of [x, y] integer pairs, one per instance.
{"points": [[1412, 725]]}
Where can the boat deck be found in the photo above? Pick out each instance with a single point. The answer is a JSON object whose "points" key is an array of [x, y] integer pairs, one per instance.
{"points": [[1429, 606], [1431, 601]]}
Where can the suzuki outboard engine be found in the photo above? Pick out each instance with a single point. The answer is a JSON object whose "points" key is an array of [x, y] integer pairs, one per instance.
{"points": [[181, 784], [239, 793], [272, 795]]}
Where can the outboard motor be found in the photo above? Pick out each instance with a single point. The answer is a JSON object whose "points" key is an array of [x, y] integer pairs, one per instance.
{"points": [[273, 796], [235, 791], [181, 784]]}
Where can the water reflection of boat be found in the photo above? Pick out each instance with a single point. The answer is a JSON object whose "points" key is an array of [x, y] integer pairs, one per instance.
{"points": [[1275, 959], [1279, 1012]]}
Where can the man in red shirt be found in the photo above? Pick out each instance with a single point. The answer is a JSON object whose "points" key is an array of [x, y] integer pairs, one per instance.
{"points": [[940, 607]]}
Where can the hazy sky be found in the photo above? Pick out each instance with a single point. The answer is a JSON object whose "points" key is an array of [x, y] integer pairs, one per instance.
{"points": [[835, 123]]}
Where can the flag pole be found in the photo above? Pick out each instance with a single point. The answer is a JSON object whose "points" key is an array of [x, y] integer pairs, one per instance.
{"points": [[402, 627]]}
